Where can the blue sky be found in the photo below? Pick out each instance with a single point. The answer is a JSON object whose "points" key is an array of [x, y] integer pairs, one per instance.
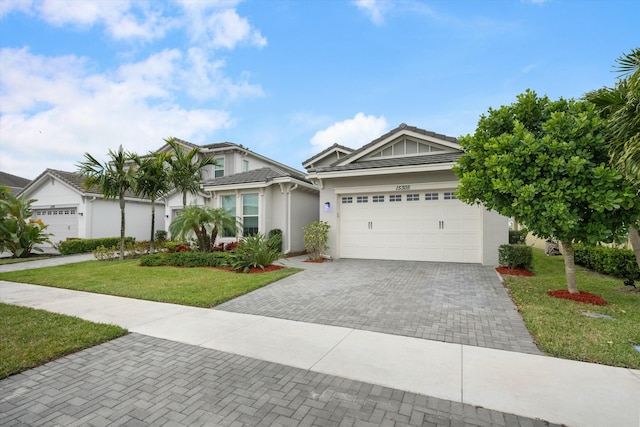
{"points": [[284, 78]]}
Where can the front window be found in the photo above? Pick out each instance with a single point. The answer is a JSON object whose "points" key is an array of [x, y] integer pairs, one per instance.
{"points": [[249, 214], [219, 167], [245, 165], [229, 205]]}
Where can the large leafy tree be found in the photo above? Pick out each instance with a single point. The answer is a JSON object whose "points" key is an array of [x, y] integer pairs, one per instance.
{"points": [[152, 182], [203, 222], [620, 107], [545, 163], [113, 179], [185, 169]]}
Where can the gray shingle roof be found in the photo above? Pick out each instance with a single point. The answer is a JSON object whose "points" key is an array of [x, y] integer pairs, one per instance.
{"points": [[403, 126], [265, 174], [14, 182], [327, 150], [74, 180], [429, 159]]}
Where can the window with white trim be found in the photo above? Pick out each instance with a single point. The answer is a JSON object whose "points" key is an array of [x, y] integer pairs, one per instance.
{"points": [[228, 203], [218, 169], [449, 195], [249, 214], [395, 198], [245, 165], [362, 199], [431, 196], [413, 197], [348, 199], [378, 199]]}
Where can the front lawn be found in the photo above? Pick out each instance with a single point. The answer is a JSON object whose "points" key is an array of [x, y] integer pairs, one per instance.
{"points": [[198, 287], [30, 337], [559, 327]]}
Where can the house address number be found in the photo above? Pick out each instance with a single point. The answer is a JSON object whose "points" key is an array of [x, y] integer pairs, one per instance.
{"points": [[403, 187]]}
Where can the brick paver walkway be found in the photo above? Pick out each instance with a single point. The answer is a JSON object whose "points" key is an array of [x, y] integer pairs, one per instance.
{"points": [[457, 303], [138, 380]]}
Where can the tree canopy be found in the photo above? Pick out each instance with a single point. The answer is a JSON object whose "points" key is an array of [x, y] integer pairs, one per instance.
{"points": [[185, 169], [545, 163]]}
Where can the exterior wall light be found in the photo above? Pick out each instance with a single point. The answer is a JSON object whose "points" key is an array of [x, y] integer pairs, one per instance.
{"points": [[327, 206]]}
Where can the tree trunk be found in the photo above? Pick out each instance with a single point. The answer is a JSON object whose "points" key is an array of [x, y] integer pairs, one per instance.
{"points": [[153, 225], [634, 237], [121, 226], [184, 200], [569, 266]]}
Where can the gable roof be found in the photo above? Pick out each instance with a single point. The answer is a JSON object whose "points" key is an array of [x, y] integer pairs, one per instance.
{"points": [[326, 152], [73, 180], [431, 159], [14, 182], [402, 129]]}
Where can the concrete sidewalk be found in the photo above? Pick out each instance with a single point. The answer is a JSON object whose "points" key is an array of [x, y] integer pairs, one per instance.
{"points": [[556, 390]]}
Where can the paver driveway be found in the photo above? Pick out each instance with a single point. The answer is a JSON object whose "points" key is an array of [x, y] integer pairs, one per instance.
{"points": [[457, 303]]}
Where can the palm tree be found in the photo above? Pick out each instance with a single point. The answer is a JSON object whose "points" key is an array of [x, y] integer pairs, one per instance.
{"points": [[204, 222], [152, 182], [620, 107], [185, 169], [113, 178]]}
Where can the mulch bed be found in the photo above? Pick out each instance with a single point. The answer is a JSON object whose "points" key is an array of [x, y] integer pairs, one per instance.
{"points": [[254, 270], [584, 297], [316, 261], [514, 271]]}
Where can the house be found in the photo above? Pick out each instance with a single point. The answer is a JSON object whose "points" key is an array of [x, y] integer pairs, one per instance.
{"points": [[72, 211], [263, 194], [15, 183], [394, 199]]}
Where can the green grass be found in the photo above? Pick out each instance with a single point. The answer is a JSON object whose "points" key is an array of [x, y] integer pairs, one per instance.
{"points": [[559, 328], [4, 261], [198, 287], [30, 337]]}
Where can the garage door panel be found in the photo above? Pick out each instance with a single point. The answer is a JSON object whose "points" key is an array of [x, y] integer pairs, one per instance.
{"points": [[415, 228]]}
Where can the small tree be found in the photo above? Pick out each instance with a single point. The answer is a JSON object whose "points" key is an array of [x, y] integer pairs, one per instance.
{"points": [[545, 163], [185, 169], [113, 179], [316, 236], [18, 231], [203, 222]]}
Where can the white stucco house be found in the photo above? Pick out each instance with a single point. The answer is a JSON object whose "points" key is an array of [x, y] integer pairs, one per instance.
{"points": [[394, 199], [262, 193], [71, 211]]}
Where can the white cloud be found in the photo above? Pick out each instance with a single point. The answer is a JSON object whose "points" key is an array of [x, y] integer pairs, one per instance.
{"points": [[218, 25], [55, 109], [374, 9], [352, 133]]}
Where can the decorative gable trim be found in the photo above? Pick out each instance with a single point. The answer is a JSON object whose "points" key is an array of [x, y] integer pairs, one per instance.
{"points": [[339, 150]]}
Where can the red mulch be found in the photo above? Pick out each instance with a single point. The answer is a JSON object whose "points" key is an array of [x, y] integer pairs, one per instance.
{"points": [[584, 297], [316, 261], [514, 271]]}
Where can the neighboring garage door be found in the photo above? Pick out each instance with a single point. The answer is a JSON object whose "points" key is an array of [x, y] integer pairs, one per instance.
{"points": [[417, 226], [62, 222]]}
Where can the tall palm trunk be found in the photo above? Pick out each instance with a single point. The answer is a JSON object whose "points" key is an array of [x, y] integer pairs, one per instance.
{"points": [[153, 225], [569, 266], [121, 226]]}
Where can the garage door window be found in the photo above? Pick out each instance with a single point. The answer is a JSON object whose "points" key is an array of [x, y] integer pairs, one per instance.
{"points": [[413, 197], [431, 196], [362, 199], [449, 195], [395, 198], [347, 200], [378, 199]]}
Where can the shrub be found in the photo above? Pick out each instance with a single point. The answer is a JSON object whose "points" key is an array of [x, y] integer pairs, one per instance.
{"points": [[80, 246], [161, 236], [515, 256], [275, 239], [253, 252], [230, 246], [102, 253], [606, 260], [518, 237], [18, 231], [185, 259], [316, 236]]}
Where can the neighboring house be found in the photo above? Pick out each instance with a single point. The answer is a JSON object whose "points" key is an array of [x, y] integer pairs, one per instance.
{"points": [[394, 199], [15, 183], [262, 193], [71, 211]]}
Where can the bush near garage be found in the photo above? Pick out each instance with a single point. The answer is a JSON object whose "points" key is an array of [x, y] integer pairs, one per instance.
{"points": [[518, 237], [253, 252], [80, 246], [515, 256], [611, 261]]}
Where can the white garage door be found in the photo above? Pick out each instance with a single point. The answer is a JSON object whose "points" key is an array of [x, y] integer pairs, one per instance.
{"points": [[62, 222], [417, 226]]}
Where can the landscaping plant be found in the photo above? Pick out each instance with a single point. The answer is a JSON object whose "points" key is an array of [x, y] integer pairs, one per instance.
{"points": [[253, 252], [316, 236], [18, 231]]}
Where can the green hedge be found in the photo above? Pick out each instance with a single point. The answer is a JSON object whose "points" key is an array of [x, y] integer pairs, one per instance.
{"points": [[186, 259], [80, 246], [612, 261], [515, 256], [518, 237]]}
